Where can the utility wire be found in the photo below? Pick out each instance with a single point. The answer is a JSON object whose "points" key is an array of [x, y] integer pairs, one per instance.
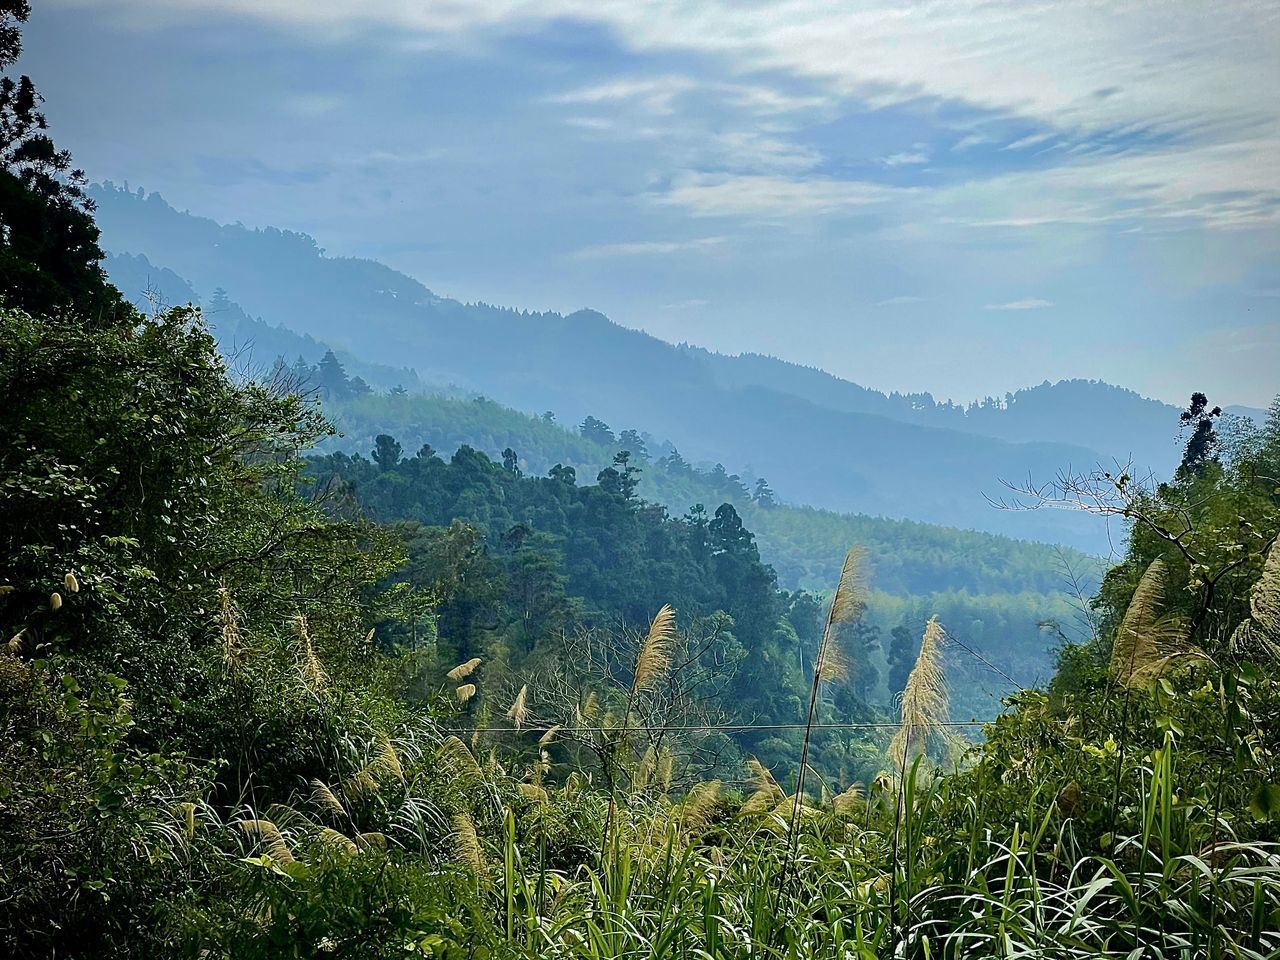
{"points": [[736, 727]]}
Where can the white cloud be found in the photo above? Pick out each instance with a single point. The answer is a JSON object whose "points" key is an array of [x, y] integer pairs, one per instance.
{"points": [[1030, 141], [772, 196], [905, 159], [1028, 304], [644, 248], [1048, 60]]}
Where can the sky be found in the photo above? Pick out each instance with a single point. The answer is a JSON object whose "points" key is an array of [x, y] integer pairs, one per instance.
{"points": [[963, 196]]}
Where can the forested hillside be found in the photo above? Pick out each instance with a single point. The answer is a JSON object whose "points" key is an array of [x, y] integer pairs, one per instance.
{"points": [[827, 456], [260, 701]]}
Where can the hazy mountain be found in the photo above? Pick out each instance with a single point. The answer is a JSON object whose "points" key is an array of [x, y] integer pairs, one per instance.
{"points": [[819, 440]]}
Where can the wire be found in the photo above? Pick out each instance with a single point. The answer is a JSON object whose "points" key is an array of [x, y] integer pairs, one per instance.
{"points": [[736, 727]]}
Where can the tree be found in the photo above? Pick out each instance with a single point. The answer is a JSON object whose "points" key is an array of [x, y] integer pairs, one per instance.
{"points": [[511, 462], [386, 451], [597, 431], [50, 260], [332, 378], [764, 493], [631, 441], [1202, 445]]}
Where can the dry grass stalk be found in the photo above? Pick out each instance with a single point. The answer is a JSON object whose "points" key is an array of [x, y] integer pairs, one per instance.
{"points": [[848, 802], [336, 840], [234, 654], [925, 702], [455, 756], [272, 840], [465, 692], [466, 845], [1147, 641], [463, 670], [519, 710], [323, 794], [314, 677], [654, 658], [695, 812], [1264, 598], [547, 738]]}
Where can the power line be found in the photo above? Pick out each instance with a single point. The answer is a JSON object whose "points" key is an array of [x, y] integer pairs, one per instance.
{"points": [[734, 727]]}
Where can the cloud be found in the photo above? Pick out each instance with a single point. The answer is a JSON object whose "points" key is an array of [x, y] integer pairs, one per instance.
{"points": [[645, 248], [1029, 141], [1029, 304], [905, 159], [772, 196], [1046, 60]]}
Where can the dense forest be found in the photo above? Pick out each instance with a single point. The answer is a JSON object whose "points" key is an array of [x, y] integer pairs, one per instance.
{"points": [[825, 442], [260, 699]]}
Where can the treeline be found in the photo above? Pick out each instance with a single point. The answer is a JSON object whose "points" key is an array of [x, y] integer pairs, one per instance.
{"points": [[804, 545]]}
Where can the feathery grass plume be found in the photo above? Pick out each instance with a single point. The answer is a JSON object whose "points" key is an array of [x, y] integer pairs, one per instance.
{"points": [[272, 841], [325, 797], [847, 605], [458, 758], [851, 590], [519, 709], [766, 794], [371, 840], [189, 818], [233, 648], [368, 638], [15, 642], [362, 783], [589, 712], [666, 768], [55, 601], [71, 583], [336, 840], [1264, 598], [531, 791], [463, 670], [466, 845], [313, 675], [654, 658], [848, 802], [645, 770], [925, 702], [465, 692], [6, 589], [386, 761], [834, 667], [1147, 640], [547, 738], [699, 804]]}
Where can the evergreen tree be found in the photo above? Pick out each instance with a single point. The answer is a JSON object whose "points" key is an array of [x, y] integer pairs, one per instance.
{"points": [[597, 431], [50, 260], [386, 452], [1202, 445], [332, 378], [764, 493], [630, 440]]}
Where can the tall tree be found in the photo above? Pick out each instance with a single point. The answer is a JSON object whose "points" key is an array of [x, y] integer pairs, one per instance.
{"points": [[1202, 445], [597, 431], [386, 451], [50, 260]]}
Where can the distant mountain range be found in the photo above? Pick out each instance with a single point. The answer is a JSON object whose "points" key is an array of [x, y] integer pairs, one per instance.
{"points": [[819, 440]]}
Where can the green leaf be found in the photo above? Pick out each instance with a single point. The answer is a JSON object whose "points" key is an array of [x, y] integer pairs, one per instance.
{"points": [[1265, 803]]}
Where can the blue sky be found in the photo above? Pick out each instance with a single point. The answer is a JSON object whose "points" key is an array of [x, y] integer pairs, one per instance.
{"points": [[963, 197]]}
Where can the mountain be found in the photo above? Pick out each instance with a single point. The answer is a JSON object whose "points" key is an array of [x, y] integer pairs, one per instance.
{"points": [[820, 441]]}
